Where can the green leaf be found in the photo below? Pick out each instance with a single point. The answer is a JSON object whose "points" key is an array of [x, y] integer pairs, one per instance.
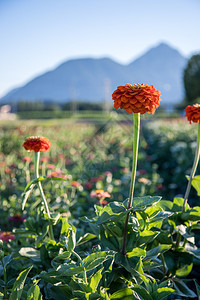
{"points": [[137, 252], [184, 270], [162, 293], [198, 289], [95, 259], [87, 237], [30, 252], [27, 193], [42, 235], [146, 236], [130, 263], [32, 183], [61, 292], [123, 294], [68, 232], [196, 184], [19, 284], [110, 213], [142, 292], [34, 293], [192, 214], [63, 270], [6, 260], [178, 204], [179, 263], [69, 270], [62, 256], [155, 252], [95, 280], [182, 289], [142, 202], [166, 205]]}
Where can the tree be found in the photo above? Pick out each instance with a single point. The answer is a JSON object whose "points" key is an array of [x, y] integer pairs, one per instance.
{"points": [[192, 80]]}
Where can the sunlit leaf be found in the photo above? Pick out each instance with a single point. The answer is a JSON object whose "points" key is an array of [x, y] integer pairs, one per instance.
{"points": [[19, 284], [196, 184]]}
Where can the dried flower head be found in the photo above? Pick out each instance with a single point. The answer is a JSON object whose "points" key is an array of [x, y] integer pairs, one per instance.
{"points": [[136, 98], [192, 113], [37, 144]]}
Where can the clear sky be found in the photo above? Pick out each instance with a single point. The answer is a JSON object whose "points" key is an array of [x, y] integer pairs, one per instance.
{"points": [[38, 35]]}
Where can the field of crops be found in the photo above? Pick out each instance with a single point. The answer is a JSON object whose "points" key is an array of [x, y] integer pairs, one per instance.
{"points": [[86, 178]]}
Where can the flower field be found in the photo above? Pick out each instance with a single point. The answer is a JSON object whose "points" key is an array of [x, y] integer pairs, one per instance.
{"points": [[70, 247]]}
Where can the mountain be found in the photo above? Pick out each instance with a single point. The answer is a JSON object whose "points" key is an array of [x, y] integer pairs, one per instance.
{"points": [[90, 79]]}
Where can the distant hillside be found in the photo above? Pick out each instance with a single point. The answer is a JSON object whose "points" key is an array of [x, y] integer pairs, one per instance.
{"points": [[91, 79]]}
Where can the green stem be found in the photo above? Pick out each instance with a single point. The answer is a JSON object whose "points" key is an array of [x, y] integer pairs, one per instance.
{"points": [[194, 167], [79, 258], [37, 158], [5, 280], [134, 167]]}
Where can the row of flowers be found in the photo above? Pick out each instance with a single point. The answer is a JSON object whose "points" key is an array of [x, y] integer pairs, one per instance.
{"points": [[128, 231]]}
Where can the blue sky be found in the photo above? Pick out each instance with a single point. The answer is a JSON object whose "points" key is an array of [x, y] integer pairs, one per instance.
{"points": [[38, 35]]}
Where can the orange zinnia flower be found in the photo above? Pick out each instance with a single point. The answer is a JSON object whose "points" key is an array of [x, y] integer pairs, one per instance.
{"points": [[193, 113], [136, 98], [37, 144]]}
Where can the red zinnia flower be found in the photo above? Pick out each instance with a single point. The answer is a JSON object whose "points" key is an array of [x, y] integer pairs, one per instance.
{"points": [[37, 144], [193, 113], [136, 98]]}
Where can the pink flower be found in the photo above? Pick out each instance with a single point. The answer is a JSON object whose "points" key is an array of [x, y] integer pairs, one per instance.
{"points": [[6, 236], [75, 184], [26, 159], [99, 194]]}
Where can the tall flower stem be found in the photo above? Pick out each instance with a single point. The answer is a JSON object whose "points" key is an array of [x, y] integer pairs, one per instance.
{"points": [[194, 167], [134, 167], [37, 158]]}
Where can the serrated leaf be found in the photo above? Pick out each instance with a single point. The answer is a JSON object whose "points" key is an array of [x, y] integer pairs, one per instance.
{"points": [[19, 285]]}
